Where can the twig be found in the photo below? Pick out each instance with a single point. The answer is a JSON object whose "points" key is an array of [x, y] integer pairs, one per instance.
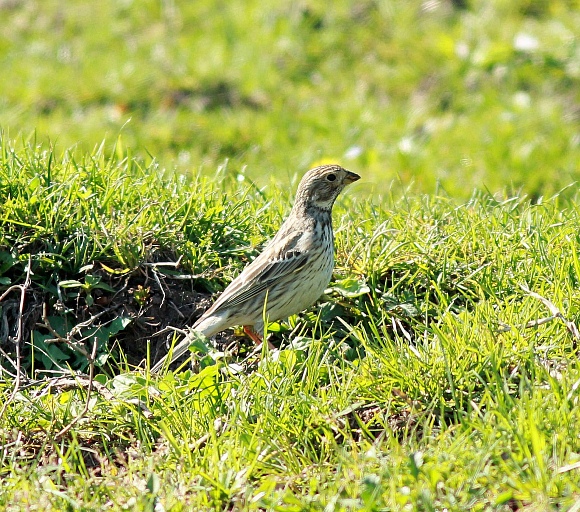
{"points": [[13, 443], [158, 281], [569, 467], [503, 327], [208, 274], [575, 507], [556, 313], [72, 382], [176, 309], [540, 321], [163, 263], [167, 329], [188, 276], [78, 346], [82, 381], [70, 339], [23, 288], [120, 290], [219, 425], [12, 362], [87, 323], [90, 388], [170, 329]]}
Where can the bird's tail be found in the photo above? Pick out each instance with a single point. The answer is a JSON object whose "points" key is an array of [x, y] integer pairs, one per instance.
{"points": [[207, 326]]}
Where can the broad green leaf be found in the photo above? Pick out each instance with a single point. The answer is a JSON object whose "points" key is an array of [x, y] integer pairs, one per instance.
{"points": [[350, 288]]}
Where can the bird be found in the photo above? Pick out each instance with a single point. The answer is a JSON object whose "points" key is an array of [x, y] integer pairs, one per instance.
{"points": [[291, 272]]}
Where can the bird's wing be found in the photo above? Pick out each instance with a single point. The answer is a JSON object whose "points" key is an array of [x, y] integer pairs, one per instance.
{"points": [[264, 271], [266, 275]]}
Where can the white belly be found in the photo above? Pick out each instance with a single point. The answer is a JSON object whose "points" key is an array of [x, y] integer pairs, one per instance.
{"points": [[304, 291]]}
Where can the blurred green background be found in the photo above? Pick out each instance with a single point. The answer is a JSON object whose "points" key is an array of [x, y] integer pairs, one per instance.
{"points": [[437, 95]]}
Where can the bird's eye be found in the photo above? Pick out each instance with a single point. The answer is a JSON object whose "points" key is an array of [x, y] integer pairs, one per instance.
{"points": [[331, 177]]}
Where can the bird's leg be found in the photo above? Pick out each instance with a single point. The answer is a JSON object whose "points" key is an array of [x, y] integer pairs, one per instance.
{"points": [[256, 337]]}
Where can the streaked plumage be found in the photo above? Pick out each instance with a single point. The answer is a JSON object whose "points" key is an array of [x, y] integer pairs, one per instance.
{"points": [[293, 269]]}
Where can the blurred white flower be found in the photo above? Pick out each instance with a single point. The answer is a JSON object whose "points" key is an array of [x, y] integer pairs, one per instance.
{"points": [[406, 145], [462, 50], [525, 42], [353, 152], [522, 99]]}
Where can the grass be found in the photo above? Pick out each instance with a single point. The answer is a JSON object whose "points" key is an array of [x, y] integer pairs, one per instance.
{"points": [[147, 153], [421, 381], [434, 94]]}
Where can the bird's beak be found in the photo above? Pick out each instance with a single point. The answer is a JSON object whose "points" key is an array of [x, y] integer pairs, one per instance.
{"points": [[350, 177]]}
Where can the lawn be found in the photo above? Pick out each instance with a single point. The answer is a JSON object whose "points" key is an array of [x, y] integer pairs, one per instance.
{"points": [[147, 153], [451, 95]]}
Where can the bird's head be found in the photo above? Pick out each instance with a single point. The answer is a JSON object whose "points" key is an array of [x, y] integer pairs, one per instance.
{"points": [[320, 186]]}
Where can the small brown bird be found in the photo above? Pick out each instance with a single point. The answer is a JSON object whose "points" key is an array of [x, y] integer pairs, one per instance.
{"points": [[292, 271]]}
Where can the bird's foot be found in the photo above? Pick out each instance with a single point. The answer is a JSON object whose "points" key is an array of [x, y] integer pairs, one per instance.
{"points": [[256, 338]]}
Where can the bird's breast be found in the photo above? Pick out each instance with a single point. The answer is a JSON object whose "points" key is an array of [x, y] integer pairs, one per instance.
{"points": [[306, 284]]}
